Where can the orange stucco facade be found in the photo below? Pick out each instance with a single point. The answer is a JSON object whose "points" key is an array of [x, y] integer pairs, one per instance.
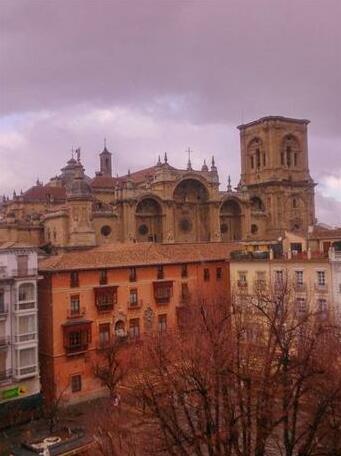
{"points": [[80, 310]]}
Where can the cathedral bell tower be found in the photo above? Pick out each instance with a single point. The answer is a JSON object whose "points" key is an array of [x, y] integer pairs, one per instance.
{"points": [[105, 162], [275, 171]]}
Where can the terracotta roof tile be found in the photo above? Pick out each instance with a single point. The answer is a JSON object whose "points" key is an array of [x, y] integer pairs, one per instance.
{"points": [[103, 182], [40, 193], [125, 255]]}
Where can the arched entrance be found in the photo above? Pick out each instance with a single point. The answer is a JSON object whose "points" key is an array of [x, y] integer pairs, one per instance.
{"points": [[191, 211], [230, 221], [148, 221]]}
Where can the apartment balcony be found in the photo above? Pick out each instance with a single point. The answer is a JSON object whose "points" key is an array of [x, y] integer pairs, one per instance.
{"points": [[4, 342], [135, 304], [321, 288], [72, 313], [25, 306], [25, 372], [5, 375], [163, 292], [27, 337], [300, 287], [77, 336], [105, 298], [29, 272], [242, 285]]}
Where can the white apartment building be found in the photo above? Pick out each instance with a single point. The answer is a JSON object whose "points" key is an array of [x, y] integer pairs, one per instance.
{"points": [[19, 371]]}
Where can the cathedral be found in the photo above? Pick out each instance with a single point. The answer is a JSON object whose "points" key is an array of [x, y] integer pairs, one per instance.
{"points": [[169, 205]]}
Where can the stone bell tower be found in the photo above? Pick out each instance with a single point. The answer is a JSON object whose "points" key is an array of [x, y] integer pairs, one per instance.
{"points": [[274, 169], [105, 162]]}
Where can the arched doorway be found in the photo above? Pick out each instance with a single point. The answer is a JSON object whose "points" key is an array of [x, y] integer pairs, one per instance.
{"points": [[230, 221], [148, 221], [191, 211]]}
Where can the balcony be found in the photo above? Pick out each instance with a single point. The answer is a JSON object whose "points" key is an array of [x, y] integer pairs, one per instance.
{"points": [[4, 342], [300, 287], [28, 337], [321, 288], [76, 336], [105, 298], [260, 284], [24, 272], [135, 304], [25, 372], [5, 375], [163, 292], [242, 285], [23, 306], [78, 313]]}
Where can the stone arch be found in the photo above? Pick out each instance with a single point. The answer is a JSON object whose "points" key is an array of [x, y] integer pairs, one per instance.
{"points": [[191, 202], [231, 220], [290, 152], [148, 216], [256, 154]]}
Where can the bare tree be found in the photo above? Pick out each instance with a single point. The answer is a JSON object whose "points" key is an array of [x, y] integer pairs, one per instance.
{"points": [[252, 377]]}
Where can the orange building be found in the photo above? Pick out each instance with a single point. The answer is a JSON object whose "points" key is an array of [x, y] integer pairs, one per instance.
{"points": [[87, 298]]}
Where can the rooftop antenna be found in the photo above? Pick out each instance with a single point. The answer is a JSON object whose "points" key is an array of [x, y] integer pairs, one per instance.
{"points": [[105, 142]]}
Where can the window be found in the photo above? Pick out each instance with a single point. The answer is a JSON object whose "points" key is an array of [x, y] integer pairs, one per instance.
{"points": [[288, 156], [103, 277], [322, 307], [257, 158], [242, 279], [134, 328], [133, 297], [162, 292], [26, 292], [104, 334], [120, 329], [184, 291], [219, 273], [22, 265], [75, 305], [74, 279], [252, 162], [279, 277], [206, 274], [162, 323], [264, 160], [184, 270], [75, 339], [76, 383], [27, 361], [282, 158], [105, 298], [160, 272], [299, 278], [321, 278], [26, 328], [301, 306], [294, 203], [132, 274], [260, 279], [295, 159]]}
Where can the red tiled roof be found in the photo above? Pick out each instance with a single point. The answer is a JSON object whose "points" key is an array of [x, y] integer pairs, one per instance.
{"points": [[103, 182], [324, 233], [40, 193], [141, 254]]}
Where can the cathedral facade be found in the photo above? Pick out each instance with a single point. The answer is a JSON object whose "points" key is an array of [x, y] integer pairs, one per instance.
{"points": [[164, 204]]}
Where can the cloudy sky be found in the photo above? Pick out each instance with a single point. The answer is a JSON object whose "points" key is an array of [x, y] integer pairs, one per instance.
{"points": [[155, 76]]}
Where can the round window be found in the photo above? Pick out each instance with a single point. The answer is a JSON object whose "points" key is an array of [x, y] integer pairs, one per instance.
{"points": [[254, 228], [143, 230], [224, 228], [105, 230], [185, 225]]}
